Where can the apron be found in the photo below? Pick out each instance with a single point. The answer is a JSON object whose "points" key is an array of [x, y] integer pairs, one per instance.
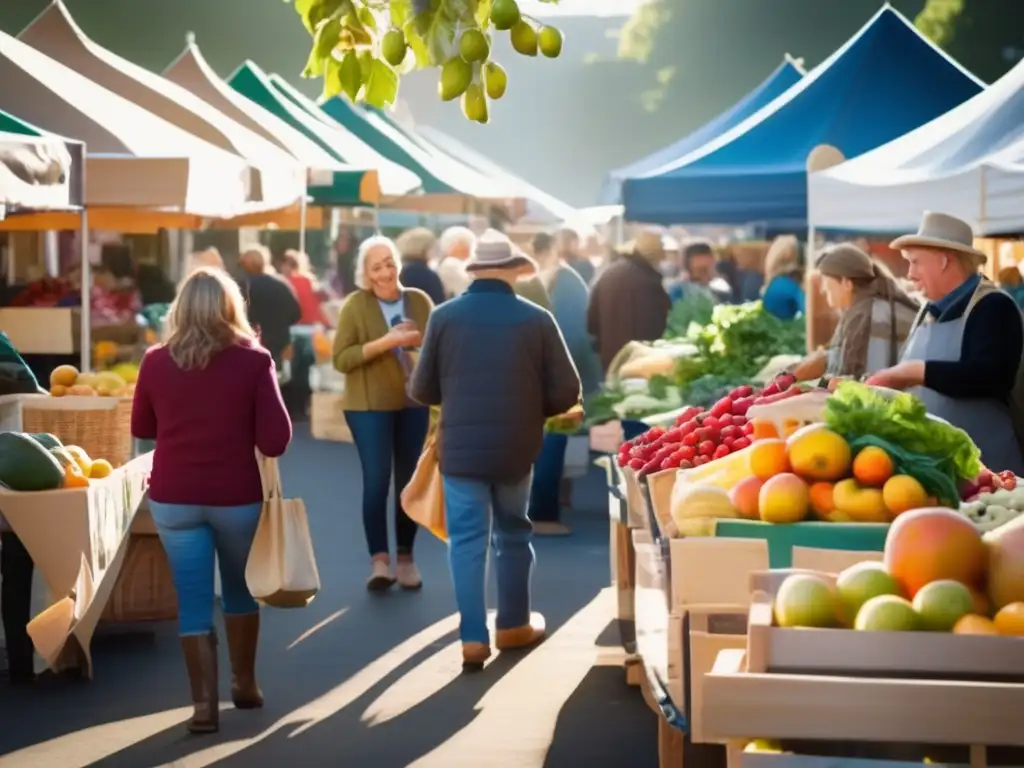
{"points": [[989, 423]]}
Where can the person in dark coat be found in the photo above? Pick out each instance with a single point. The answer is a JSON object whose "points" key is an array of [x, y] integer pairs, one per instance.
{"points": [[272, 305], [628, 301], [416, 247], [498, 366]]}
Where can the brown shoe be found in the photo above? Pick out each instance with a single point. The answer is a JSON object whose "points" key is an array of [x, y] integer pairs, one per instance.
{"points": [[474, 655], [201, 661], [521, 637], [551, 529], [243, 636]]}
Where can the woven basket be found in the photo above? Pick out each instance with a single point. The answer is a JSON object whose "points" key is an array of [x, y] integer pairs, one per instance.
{"points": [[101, 426], [145, 588]]}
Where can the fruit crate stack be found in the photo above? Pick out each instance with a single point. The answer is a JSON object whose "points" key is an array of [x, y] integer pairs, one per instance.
{"points": [[848, 667]]}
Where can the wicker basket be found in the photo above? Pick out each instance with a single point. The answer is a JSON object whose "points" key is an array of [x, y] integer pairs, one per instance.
{"points": [[145, 589], [327, 419], [101, 426]]}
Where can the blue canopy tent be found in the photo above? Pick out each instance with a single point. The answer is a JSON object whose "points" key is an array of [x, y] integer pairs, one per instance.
{"points": [[887, 80], [785, 76]]}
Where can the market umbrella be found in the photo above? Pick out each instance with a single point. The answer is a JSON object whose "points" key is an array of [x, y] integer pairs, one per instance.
{"points": [[454, 185], [253, 83], [133, 157], [969, 163], [277, 180], [331, 182]]}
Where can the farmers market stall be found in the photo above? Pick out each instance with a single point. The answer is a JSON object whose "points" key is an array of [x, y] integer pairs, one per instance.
{"points": [[786, 477], [78, 538]]}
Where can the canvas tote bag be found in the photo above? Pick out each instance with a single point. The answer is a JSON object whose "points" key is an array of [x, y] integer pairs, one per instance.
{"points": [[281, 571], [423, 496]]}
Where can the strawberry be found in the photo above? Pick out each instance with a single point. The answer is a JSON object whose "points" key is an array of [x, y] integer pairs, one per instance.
{"points": [[740, 443], [721, 451]]}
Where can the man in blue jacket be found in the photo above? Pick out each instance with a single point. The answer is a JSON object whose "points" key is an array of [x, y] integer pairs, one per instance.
{"points": [[499, 368]]}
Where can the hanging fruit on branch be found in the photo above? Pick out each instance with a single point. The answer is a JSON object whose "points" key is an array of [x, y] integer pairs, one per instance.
{"points": [[361, 48]]}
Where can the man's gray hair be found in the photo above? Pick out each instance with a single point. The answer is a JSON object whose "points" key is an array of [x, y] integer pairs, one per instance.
{"points": [[377, 241], [454, 236]]}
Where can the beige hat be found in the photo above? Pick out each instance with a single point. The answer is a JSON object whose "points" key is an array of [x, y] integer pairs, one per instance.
{"points": [[942, 232], [493, 250], [648, 244]]}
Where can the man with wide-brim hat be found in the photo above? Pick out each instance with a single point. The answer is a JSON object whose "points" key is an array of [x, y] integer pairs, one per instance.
{"points": [[628, 301], [499, 368], [963, 355]]}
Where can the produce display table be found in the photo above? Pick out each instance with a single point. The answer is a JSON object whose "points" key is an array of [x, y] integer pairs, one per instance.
{"points": [[78, 538]]}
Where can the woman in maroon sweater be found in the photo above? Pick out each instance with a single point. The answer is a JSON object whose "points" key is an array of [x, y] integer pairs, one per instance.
{"points": [[210, 398]]}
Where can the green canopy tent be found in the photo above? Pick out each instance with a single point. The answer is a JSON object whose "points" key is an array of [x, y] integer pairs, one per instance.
{"points": [[449, 185], [331, 182], [253, 83]]}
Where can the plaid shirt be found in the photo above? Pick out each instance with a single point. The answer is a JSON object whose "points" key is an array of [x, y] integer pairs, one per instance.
{"points": [[15, 376]]}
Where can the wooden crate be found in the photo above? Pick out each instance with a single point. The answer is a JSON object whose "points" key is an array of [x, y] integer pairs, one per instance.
{"points": [[144, 590], [327, 419]]}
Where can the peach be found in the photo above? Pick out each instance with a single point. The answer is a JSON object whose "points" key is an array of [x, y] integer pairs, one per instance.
{"points": [[784, 499], [926, 545], [903, 493], [872, 467], [764, 430], [768, 458], [816, 453], [744, 496], [860, 504], [822, 503]]}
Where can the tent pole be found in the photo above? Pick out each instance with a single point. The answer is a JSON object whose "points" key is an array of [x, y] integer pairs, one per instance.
{"points": [[302, 223], [86, 293]]}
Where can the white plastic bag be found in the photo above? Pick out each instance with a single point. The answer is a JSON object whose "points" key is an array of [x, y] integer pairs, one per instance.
{"points": [[281, 571]]}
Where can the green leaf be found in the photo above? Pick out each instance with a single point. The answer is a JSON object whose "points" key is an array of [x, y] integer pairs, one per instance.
{"points": [[332, 78], [350, 75], [315, 11], [417, 44], [437, 30], [483, 13], [326, 37], [381, 85], [401, 12], [366, 17]]}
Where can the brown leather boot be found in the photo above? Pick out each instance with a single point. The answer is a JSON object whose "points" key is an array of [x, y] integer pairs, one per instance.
{"points": [[243, 636], [474, 655], [521, 637], [201, 661]]}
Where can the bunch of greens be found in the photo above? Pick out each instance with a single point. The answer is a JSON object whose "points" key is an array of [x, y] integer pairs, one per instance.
{"points": [[857, 411], [697, 309]]}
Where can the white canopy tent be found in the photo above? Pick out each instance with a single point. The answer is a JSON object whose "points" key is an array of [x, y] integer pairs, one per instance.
{"points": [[969, 163]]}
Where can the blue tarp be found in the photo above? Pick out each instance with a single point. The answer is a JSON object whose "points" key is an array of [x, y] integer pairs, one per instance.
{"points": [[887, 80], [785, 76]]}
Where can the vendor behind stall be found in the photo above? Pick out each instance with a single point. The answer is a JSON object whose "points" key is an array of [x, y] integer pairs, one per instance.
{"points": [[875, 316], [963, 356], [15, 563]]}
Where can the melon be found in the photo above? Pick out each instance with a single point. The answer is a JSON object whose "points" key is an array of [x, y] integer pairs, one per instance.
{"points": [[1006, 564]]}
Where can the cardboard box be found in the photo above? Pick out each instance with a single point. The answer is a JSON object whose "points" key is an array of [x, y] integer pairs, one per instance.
{"points": [[636, 509], [848, 652]]}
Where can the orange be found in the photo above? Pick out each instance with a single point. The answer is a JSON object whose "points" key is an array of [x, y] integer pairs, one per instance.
{"points": [[972, 624], [58, 390], [791, 427], [764, 430], [872, 467], [822, 503], [768, 458], [902, 493], [1010, 619]]}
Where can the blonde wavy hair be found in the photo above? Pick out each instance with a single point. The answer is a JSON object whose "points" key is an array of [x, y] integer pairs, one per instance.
{"points": [[207, 316], [783, 257]]}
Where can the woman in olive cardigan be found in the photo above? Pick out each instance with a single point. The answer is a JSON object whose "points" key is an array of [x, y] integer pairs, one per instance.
{"points": [[379, 332]]}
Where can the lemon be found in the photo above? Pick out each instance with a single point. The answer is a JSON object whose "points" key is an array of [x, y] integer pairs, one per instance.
{"points": [[505, 14], [393, 47], [524, 38], [456, 75], [474, 104], [551, 42], [100, 468], [495, 80], [473, 46]]}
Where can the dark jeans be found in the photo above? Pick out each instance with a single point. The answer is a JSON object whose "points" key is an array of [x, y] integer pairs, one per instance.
{"points": [[383, 439], [296, 392], [545, 494], [16, 604]]}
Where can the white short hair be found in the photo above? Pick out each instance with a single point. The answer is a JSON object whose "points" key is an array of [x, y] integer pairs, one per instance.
{"points": [[377, 241], [455, 235]]}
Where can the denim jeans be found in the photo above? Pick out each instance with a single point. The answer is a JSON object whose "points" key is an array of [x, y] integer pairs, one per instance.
{"points": [[469, 508], [385, 439], [545, 495], [16, 604], [192, 535]]}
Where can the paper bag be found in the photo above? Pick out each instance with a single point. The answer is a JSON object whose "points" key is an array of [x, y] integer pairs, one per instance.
{"points": [[281, 571], [423, 497]]}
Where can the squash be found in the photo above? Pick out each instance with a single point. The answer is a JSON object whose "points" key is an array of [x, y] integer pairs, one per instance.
{"points": [[74, 477], [81, 458], [25, 465], [47, 440]]}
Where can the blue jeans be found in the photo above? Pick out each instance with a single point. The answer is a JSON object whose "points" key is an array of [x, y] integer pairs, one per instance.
{"points": [[383, 439], [469, 507], [545, 495], [192, 535]]}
